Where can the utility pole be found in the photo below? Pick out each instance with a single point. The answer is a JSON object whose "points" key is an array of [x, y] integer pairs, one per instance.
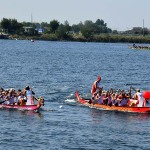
{"points": [[31, 18], [143, 27]]}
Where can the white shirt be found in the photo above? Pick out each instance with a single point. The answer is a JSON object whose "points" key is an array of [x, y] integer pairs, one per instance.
{"points": [[140, 99]]}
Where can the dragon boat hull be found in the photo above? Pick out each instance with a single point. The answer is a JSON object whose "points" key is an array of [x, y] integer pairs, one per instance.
{"points": [[139, 48], [23, 107], [112, 108]]}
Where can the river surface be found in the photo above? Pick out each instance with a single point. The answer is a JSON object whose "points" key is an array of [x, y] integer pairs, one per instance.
{"points": [[55, 70]]}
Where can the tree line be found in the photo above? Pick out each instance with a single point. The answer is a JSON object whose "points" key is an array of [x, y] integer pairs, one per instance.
{"points": [[54, 30], [88, 28]]}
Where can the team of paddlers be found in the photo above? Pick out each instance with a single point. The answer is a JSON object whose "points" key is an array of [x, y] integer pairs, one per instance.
{"points": [[18, 97], [116, 97], [140, 47]]}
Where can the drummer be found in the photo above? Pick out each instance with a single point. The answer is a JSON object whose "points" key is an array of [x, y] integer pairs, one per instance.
{"points": [[96, 86]]}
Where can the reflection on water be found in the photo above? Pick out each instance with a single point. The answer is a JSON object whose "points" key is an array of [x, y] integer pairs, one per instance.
{"points": [[98, 115], [32, 113], [13, 112]]}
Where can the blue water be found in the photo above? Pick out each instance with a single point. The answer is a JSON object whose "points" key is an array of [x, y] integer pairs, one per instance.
{"points": [[55, 70]]}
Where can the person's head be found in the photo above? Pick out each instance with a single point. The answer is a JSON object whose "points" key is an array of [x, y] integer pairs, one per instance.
{"points": [[92, 98], [19, 90], [123, 95], [113, 94], [137, 90], [27, 88], [99, 78], [100, 92], [1, 89], [95, 93]]}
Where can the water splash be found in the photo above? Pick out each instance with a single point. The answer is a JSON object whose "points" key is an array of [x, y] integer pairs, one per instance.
{"points": [[70, 101]]}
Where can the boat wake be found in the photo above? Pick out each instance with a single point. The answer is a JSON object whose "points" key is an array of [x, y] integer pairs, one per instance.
{"points": [[47, 109], [70, 101]]}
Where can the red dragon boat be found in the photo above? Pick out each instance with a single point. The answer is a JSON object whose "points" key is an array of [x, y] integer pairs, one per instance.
{"points": [[85, 102]]}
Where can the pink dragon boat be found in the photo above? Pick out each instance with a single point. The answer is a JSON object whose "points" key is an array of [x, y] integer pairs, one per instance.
{"points": [[23, 107]]}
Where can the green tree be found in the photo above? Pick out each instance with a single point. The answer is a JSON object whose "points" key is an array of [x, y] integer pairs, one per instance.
{"points": [[61, 32], [87, 29], [140, 30], [101, 27], [11, 26], [75, 28], [44, 24], [115, 32], [6, 24], [86, 32], [100, 22], [67, 27], [26, 24], [16, 27], [54, 24]]}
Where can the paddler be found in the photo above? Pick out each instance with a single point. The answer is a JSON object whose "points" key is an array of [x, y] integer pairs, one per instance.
{"points": [[29, 94], [96, 86], [140, 99]]}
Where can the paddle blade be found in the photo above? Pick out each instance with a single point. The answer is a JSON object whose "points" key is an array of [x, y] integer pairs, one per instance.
{"points": [[146, 94]]}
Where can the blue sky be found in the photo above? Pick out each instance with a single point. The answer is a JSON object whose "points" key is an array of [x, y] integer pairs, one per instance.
{"points": [[118, 14]]}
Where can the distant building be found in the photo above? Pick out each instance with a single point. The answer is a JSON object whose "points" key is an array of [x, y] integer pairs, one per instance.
{"points": [[4, 36], [28, 29], [40, 30], [3, 31]]}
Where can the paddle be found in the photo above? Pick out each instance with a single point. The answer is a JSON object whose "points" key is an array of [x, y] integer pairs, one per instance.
{"points": [[36, 98], [41, 100], [132, 88], [130, 92]]}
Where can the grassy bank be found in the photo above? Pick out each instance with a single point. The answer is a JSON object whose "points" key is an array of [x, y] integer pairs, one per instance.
{"points": [[112, 38]]}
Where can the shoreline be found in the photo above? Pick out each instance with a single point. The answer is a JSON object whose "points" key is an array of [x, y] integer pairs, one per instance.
{"points": [[102, 38]]}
